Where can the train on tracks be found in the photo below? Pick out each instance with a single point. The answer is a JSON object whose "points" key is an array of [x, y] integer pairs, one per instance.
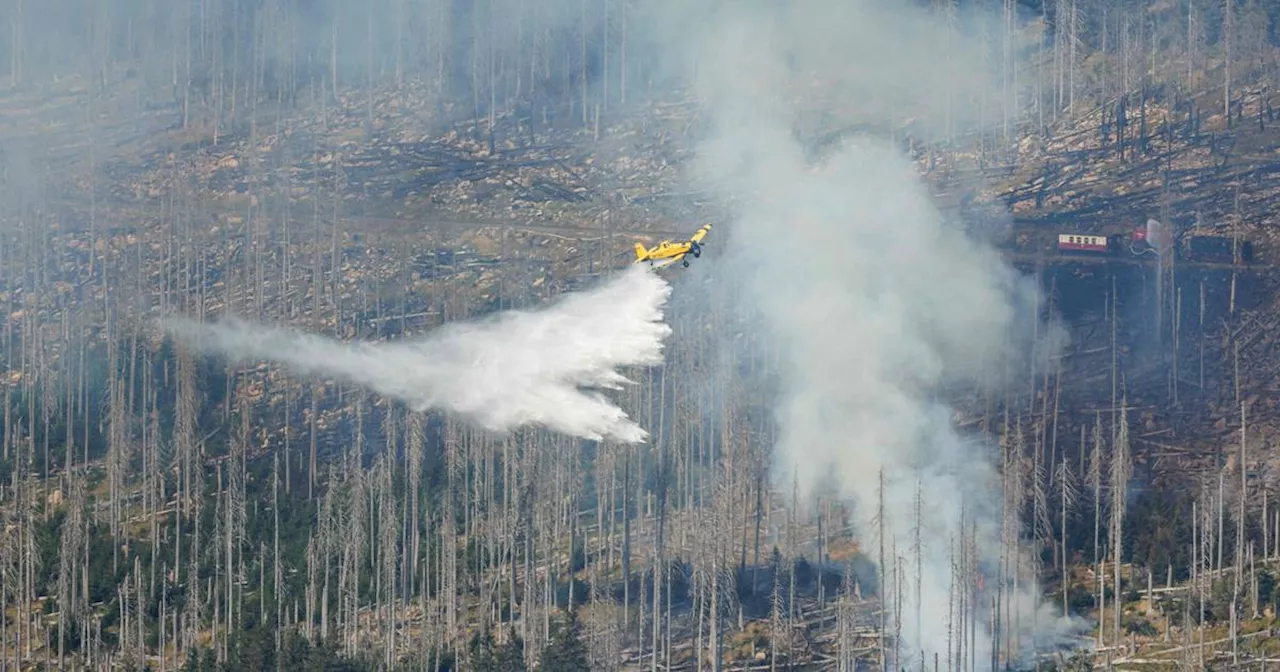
{"points": [[1191, 246]]}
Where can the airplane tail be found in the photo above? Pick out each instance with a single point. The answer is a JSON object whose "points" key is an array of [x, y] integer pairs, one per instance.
{"points": [[640, 252]]}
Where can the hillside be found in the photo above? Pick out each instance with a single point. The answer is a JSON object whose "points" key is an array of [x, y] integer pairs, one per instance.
{"points": [[163, 508]]}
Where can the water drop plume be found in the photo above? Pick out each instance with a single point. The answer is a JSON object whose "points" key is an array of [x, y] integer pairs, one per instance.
{"points": [[545, 367]]}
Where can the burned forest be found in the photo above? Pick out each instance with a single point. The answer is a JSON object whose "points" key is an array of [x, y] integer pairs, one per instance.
{"points": [[323, 346]]}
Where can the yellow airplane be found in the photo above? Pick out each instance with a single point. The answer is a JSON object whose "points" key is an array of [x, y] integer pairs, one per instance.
{"points": [[668, 252]]}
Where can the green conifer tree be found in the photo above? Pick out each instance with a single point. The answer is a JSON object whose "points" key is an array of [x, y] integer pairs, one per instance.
{"points": [[565, 652]]}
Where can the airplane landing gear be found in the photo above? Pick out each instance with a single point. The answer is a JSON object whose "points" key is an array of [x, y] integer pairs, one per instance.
{"points": [[686, 262], [696, 249]]}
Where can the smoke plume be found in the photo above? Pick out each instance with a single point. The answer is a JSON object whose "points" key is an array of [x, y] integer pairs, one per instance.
{"points": [[877, 304], [544, 367]]}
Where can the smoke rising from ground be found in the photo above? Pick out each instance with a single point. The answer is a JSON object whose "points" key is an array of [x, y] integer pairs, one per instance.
{"points": [[544, 367], [876, 304]]}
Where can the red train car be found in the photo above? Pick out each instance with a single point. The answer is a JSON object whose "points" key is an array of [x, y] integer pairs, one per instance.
{"points": [[1079, 242]]}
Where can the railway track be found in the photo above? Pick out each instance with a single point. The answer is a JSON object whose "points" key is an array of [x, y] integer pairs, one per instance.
{"points": [[1042, 259], [375, 225], [593, 234]]}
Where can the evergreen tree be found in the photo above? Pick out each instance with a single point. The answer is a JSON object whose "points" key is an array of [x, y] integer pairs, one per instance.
{"points": [[481, 647], [489, 657], [565, 652], [510, 656]]}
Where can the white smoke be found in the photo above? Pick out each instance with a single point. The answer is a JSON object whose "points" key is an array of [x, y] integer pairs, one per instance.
{"points": [[544, 367], [876, 304]]}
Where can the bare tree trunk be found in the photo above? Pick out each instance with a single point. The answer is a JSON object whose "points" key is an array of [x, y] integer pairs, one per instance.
{"points": [[1121, 469]]}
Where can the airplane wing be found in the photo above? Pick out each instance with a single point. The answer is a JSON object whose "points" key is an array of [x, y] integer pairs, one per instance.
{"points": [[702, 233]]}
